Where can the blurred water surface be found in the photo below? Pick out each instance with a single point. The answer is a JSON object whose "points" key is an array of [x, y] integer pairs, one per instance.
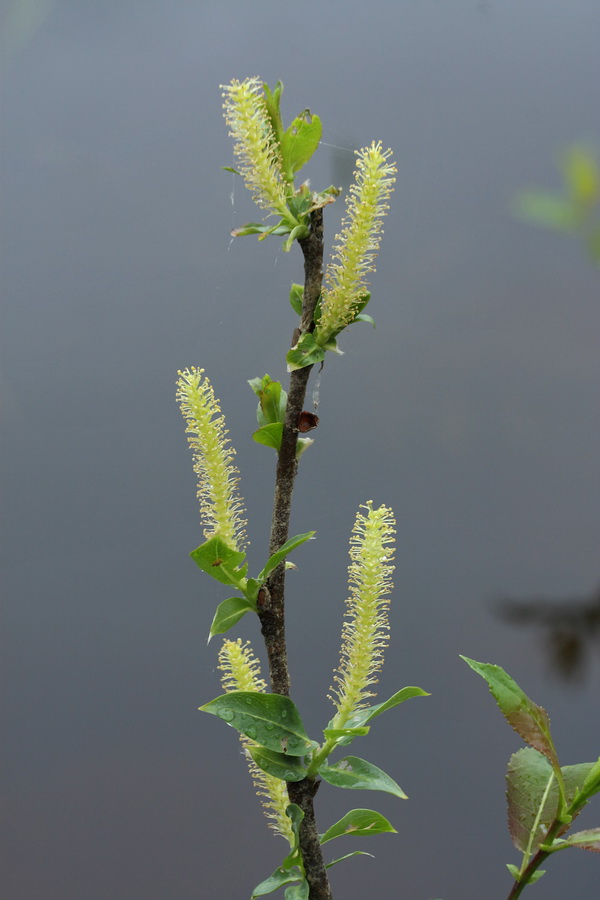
{"points": [[472, 409]]}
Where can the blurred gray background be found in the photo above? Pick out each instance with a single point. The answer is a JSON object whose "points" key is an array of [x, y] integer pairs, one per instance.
{"points": [[472, 409]]}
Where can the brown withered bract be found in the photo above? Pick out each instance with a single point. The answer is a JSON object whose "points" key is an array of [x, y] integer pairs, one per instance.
{"points": [[307, 421]]}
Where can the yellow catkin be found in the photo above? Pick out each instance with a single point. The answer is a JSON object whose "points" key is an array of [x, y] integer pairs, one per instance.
{"points": [[255, 146], [241, 672], [357, 245], [365, 629], [221, 508]]}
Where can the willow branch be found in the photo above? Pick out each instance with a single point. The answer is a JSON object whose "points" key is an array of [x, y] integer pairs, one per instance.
{"points": [[271, 606], [272, 599]]}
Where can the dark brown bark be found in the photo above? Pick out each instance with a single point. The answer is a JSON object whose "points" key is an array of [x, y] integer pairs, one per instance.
{"points": [[272, 606]]}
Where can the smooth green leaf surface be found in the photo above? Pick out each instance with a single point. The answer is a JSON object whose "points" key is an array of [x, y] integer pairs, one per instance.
{"points": [[269, 435], [269, 719], [219, 560], [532, 795], [228, 613], [306, 353], [272, 101], [364, 317], [300, 141], [345, 736], [298, 233], [536, 876], [356, 774], [299, 204], [591, 785], [529, 720], [589, 839], [283, 551], [272, 400], [251, 592], [296, 298], [279, 878], [259, 228], [371, 712], [295, 814], [278, 764], [514, 870], [358, 822], [334, 862], [298, 891], [303, 444]]}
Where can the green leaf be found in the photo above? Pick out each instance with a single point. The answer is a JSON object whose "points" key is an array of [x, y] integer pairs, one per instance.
{"points": [[306, 353], [529, 720], [298, 891], [345, 736], [295, 815], [228, 613], [303, 444], [278, 879], [352, 772], [280, 765], [591, 785], [298, 233], [258, 228], [300, 141], [251, 592], [533, 797], [371, 712], [581, 175], [299, 203], [536, 876], [219, 560], [514, 870], [272, 400], [547, 210], [269, 435], [283, 551], [589, 839], [516, 873], [334, 862], [230, 169], [269, 719], [272, 101], [358, 822], [296, 298], [363, 317]]}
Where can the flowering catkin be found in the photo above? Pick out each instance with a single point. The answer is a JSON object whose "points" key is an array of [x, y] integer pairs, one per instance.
{"points": [[221, 508], [365, 629], [255, 146], [357, 245]]}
